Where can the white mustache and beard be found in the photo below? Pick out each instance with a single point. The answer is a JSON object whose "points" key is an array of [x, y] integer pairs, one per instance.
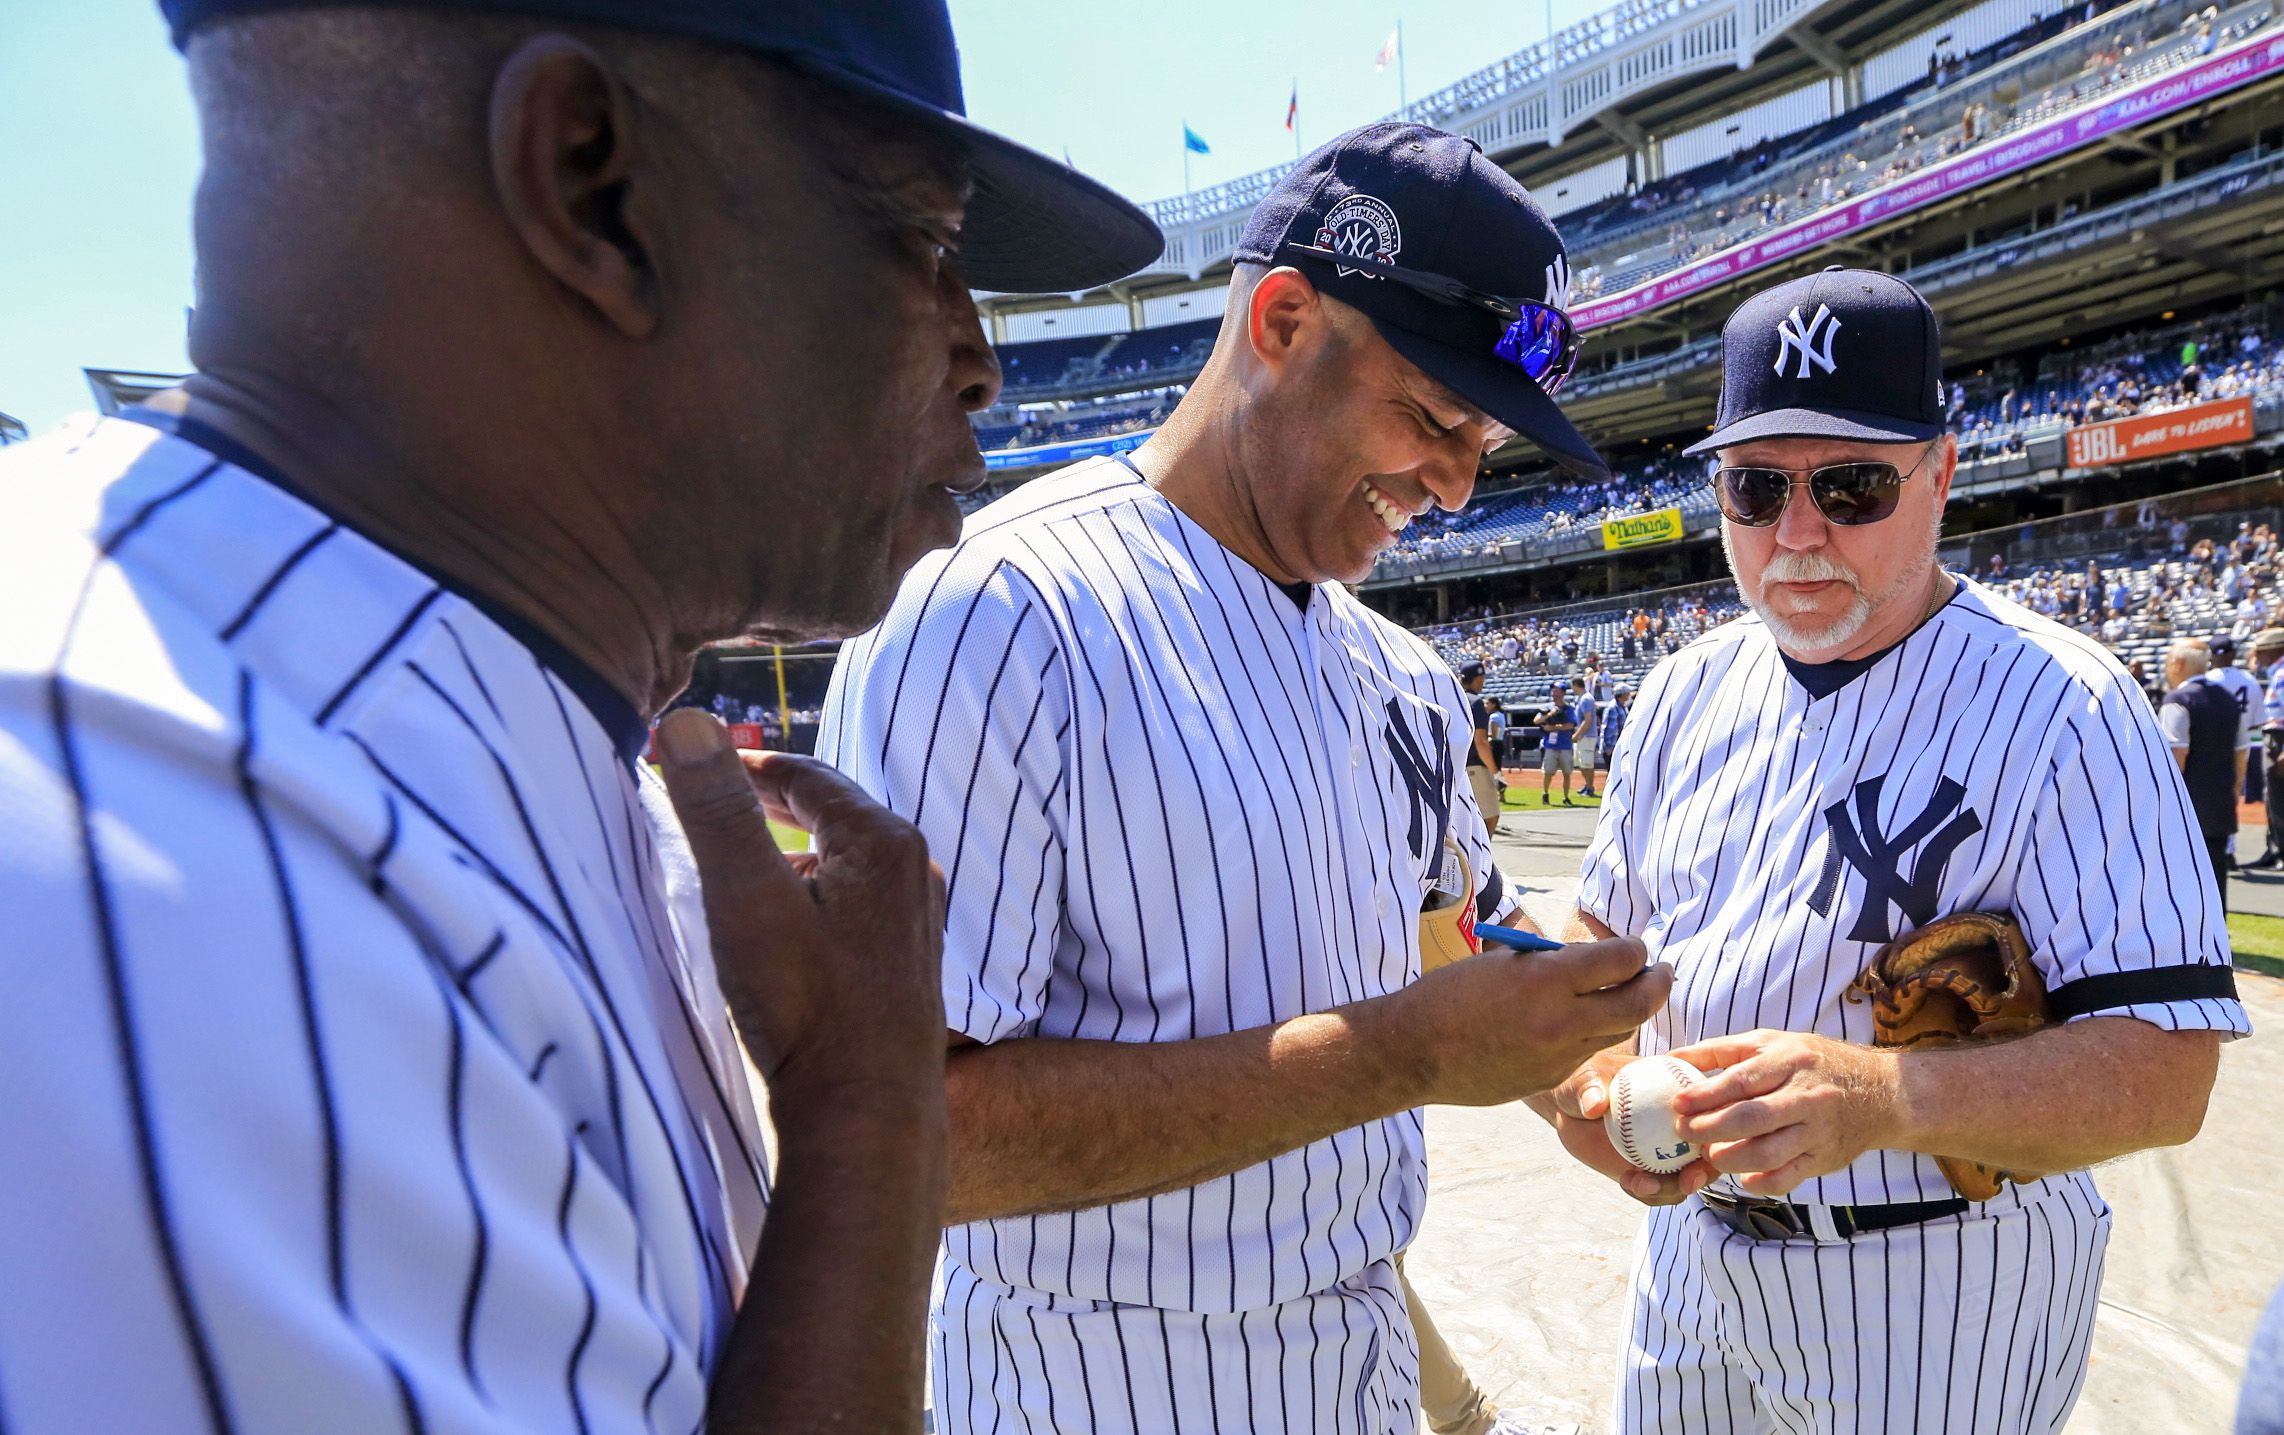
{"points": [[1818, 635]]}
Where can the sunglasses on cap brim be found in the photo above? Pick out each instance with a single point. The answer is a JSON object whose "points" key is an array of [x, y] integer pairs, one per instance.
{"points": [[1538, 339], [1849, 495]]}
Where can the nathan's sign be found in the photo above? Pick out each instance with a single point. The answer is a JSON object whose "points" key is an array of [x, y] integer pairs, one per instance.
{"points": [[2153, 435], [1637, 529]]}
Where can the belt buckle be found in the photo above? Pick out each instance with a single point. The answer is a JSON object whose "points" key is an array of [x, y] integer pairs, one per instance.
{"points": [[1757, 1216]]}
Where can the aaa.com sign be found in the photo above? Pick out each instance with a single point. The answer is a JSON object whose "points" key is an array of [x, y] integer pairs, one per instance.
{"points": [[2154, 435]]}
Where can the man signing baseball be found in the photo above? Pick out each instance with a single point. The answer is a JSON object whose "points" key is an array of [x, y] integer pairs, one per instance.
{"points": [[1893, 1240], [1189, 1032]]}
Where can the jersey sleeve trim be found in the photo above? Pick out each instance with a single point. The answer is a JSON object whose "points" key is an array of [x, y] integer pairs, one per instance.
{"points": [[2144, 986]]}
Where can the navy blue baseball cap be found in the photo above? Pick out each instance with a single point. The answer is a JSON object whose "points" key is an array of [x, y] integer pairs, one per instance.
{"points": [[1845, 354], [1454, 263], [1034, 224]]}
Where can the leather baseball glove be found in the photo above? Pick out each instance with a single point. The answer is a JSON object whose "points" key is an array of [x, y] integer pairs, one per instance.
{"points": [[1960, 979], [1447, 911]]}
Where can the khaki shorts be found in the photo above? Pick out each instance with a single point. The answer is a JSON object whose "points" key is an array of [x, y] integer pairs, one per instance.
{"points": [[1585, 758], [1554, 759], [1486, 786]]}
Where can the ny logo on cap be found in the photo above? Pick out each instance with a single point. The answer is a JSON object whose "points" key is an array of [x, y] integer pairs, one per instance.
{"points": [[1794, 336], [1558, 284], [1362, 226]]}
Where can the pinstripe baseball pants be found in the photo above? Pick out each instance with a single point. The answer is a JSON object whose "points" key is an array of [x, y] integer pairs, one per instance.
{"points": [[1971, 1323], [1340, 1361]]}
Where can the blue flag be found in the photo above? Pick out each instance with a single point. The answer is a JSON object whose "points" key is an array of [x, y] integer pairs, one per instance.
{"points": [[1193, 141]]}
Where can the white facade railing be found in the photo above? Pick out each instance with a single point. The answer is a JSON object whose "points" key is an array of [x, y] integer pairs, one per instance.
{"points": [[1600, 62]]}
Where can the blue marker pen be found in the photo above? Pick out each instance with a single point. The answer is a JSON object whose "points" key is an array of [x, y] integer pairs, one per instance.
{"points": [[1519, 940]]}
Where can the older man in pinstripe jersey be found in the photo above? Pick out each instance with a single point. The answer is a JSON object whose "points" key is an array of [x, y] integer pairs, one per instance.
{"points": [[1796, 788], [368, 1055]]}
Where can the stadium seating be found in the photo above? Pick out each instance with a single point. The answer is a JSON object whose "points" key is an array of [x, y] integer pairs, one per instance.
{"points": [[1524, 655], [1044, 363], [2241, 352], [2202, 589], [1627, 242]]}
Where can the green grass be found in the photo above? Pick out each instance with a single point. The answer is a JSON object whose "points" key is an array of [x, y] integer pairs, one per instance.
{"points": [[2258, 942], [1523, 795]]}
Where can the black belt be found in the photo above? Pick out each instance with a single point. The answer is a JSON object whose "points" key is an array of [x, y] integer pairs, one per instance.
{"points": [[1769, 1220]]}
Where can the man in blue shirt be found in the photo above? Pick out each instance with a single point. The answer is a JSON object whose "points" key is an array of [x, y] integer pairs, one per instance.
{"points": [[1586, 714], [1556, 725]]}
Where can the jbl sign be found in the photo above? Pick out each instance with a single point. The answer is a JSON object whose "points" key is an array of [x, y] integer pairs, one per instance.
{"points": [[2149, 435]]}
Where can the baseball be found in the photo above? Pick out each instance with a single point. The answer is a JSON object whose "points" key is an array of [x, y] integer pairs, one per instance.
{"points": [[1640, 1120]]}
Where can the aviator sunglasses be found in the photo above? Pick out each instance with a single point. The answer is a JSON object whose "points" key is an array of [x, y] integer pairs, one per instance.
{"points": [[1849, 495], [1538, 339]]}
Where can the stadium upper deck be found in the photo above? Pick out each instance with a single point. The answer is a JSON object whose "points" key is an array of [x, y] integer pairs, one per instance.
{"points": [[2015, 165]]}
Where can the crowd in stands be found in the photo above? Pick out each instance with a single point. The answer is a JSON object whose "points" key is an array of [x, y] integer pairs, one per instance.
{"points": [[1640, 236], [2193, 590], [2153, 586], [1995, 412], [1071, 422], [1524, 655], [1656, 228], [1034, 367], [2142, 372], [1478, 530]]}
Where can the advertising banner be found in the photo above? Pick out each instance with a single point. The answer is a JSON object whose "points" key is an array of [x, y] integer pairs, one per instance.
{"points": [[996, 459], [1638, 530], [2152, 435], [2035, 144]]}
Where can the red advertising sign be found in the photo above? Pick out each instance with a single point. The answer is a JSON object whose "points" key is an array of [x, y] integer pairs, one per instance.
{"points": [[2151, 435], [742, 734]]}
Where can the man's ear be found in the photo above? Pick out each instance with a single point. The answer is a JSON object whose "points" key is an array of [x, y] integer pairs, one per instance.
{"points": [[563, 150], [1947, 466], [1284, 316]]}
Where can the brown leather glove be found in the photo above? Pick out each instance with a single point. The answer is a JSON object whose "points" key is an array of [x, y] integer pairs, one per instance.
{"points": [[1447, 912], [1960, 979]]}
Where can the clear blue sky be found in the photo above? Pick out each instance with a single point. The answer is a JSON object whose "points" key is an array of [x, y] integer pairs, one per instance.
{"points": [[102, 152]]}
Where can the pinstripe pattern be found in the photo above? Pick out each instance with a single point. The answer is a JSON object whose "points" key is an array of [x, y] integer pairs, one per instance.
{"points": [[2085, 832], [1992, 761], [1170, 804], [1969, 1325], [367, 1083], [1340, 1361]]}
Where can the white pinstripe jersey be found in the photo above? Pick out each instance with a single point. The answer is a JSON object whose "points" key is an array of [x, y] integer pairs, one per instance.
{"points": [[1170, 804], [1767, 842], [356, 1079], [2245, 691]]}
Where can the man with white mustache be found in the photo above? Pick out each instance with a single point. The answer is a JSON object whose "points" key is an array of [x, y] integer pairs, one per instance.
{"points": [[1793, 791]]}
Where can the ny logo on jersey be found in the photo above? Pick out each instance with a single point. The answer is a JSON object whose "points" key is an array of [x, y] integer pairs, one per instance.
{"points": [[1428, 780], [1793, 336], [1877, 857]]}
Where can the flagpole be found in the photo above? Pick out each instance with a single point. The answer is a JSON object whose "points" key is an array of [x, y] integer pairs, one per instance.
{"points": [[1403, 90]]}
